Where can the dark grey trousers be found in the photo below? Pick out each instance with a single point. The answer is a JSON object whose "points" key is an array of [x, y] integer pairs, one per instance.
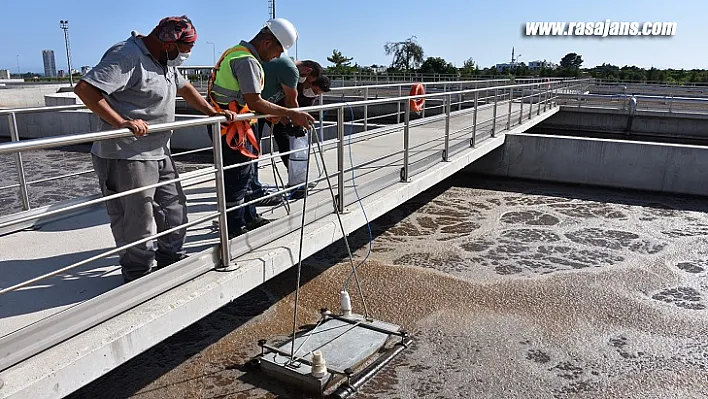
{"points": [[134, 217]]}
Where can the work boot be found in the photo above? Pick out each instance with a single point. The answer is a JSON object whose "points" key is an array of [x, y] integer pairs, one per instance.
{"points": [[238, 232], [161, 263], [256, 223]]}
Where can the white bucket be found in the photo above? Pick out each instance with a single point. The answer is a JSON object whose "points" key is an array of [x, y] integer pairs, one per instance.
{"points": [[297, 168]]}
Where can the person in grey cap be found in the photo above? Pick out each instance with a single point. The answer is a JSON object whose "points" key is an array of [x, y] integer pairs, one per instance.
{"points": [[136, 84]]}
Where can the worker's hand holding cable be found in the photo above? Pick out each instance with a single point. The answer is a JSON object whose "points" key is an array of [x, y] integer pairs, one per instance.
{"points": [[301, 119]]}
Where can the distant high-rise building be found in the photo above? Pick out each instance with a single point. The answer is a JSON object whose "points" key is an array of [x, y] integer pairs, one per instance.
{"points": [[50, 66], [4, 74], [85, 69], [61, 73]]}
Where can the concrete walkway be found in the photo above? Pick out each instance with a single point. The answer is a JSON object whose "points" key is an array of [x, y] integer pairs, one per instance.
{"points": [[40, 314]]}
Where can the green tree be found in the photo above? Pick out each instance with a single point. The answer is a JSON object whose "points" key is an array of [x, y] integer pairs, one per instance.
{"points": [[339, 61], [469, 68], [571, 60], [438, 65], [407, 55]]}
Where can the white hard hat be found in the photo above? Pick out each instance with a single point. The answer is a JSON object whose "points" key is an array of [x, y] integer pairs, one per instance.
{"points": [[284, 31]]}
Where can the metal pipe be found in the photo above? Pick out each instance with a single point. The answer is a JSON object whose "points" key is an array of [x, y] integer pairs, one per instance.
{"points": [[299, 359], [446, 151], [350, 387], [225, 248], [508, 117], [406, 142], [340, 160], [474, 121], [366, 109], [459, 104], [398, 103], [19, 166], [494, 117], [538, 110]]}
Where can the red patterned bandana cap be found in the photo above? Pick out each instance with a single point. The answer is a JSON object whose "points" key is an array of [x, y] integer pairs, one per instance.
{"points": [[172, 29]]}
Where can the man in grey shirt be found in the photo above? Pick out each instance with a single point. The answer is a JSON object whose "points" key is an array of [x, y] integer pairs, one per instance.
{"points": [[136, 83]]}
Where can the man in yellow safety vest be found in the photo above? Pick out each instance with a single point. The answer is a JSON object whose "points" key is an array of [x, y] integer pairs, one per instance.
{"points": [[236, 84]]}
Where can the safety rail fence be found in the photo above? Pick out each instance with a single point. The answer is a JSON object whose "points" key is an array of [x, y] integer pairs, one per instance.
{"points": [[633, 103], [349, 93], [531, 99]]}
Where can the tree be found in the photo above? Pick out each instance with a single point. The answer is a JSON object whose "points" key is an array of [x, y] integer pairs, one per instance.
{"points": [[438, 65], [571, 60], [339, 60], [469, 68], [407, 55]]}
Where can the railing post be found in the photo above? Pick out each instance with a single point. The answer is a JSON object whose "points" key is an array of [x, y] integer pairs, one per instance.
{"points": [[340, 160], [508, 117], [366, 109], [459, 97], [321, 117], [406, 142], [221, 196], [448, 105], [474, 120], [545, 101], [521, 106], [398, 114], [494, 117], [538, 110], [15, 136], [424, 105]]}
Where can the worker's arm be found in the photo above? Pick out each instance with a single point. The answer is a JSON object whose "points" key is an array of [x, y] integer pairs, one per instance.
{"points": [[114, 73], [290, 96], [94, 100], [193, 98], [247, 72], [258, 104]]}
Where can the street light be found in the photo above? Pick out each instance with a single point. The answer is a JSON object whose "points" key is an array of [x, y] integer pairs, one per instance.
{"points": [[64, 25], [213, 51]]}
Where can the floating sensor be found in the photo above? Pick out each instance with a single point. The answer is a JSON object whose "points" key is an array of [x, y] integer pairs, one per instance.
{"points": [[335, 357]]}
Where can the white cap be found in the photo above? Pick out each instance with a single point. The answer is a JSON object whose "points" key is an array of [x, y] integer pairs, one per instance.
{"points": [[284, 31]]}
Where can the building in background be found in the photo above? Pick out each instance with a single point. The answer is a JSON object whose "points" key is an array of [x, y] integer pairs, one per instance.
{"points": [[534, 65], [61, 74], [85, 69], [4, 74], [50, 66]]}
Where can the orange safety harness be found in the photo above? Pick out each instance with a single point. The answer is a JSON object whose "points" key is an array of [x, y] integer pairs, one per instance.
{"points": [[236, 132]]}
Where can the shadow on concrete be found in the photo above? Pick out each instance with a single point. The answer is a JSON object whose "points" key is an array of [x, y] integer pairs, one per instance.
{"points": [[72, 287]]}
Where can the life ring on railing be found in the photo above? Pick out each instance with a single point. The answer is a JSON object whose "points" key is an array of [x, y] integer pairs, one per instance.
{"points": [[417, 89]]}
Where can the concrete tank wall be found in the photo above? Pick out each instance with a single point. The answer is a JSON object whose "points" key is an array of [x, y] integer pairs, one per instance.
{"points": [[670, 168]]}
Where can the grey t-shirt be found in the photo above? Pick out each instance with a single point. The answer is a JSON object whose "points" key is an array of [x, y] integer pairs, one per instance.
{"points": [[137, 86]]}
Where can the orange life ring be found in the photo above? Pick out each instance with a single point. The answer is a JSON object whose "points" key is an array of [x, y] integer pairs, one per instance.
{"points": [[417, 89]]}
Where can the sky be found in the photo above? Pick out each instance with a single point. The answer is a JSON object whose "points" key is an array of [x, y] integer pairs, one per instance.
{"points": [[452, 29]]}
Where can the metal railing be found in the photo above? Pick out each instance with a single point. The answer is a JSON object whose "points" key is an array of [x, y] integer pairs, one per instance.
{"points": [[633, 103], [387, 89], [531, 99]]}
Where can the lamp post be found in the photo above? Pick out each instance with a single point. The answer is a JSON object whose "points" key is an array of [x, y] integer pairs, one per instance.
{"points": [[64, 25], [213, 52]]}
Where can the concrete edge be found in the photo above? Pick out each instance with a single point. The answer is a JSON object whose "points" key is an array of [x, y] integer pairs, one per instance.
{"points": [[67, 367]]}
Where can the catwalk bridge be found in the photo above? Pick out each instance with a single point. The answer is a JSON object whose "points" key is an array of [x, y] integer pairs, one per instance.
{"points": [[66, 316]]}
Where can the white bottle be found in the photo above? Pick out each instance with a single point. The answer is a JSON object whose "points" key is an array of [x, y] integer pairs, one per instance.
{"points": [[345, 304], [319, 366]]}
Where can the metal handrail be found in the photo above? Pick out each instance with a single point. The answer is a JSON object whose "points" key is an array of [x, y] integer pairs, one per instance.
{"points": [[48, 142]]}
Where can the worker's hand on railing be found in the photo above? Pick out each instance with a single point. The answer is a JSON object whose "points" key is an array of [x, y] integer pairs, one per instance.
{"points": [[138, 126], [230, 115], [302, 119]]}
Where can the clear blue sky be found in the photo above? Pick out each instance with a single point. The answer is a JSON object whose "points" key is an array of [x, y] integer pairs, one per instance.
{"points": [[452, 29]]}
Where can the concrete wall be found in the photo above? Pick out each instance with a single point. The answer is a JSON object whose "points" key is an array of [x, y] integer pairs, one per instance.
{"points": [[616, 121], [13, 96], [670, 168]]}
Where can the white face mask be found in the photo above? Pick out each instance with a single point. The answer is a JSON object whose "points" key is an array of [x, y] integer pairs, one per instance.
{"points": [[181, 58], [309, 92]]}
